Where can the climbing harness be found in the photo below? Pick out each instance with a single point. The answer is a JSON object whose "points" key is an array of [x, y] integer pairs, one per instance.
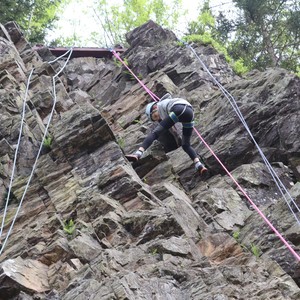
{"points": [[274, 175], [39, 151]]}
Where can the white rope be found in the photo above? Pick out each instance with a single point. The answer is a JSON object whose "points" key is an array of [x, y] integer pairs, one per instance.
{"points": [[40, 149], [59, 57], [16, 152], [233, 103]]}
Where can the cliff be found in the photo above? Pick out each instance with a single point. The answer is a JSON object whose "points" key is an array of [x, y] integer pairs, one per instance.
{"points": [[152, 230]]}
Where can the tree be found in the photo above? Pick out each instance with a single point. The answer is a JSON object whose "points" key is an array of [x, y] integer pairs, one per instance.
{"points": [[205, 22], [117, 20], [34, 17], [266, 34], [203, 30]]}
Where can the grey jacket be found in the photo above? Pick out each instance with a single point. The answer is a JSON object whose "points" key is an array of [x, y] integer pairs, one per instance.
{"points": [[165, 105]]}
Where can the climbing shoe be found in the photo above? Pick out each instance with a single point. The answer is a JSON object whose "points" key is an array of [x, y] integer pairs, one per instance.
{"points": [[132, 157], [201, 169], [136, 156]]}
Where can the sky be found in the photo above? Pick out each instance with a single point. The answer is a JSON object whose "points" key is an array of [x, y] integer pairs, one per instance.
{"points": [[80, 19]]}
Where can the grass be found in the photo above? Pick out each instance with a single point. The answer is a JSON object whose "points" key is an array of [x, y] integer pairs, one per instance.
{"points": [[236, 235], [255, 250], [121, 143], [69, 227], [206, 39], [47, 142]]}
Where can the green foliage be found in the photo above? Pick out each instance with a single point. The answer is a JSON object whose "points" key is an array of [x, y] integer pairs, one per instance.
{"points": [[34, 17], [131, 77], [180, 44], [119, 64], [239, 67], [126, 72], [154, 251], [255, 250], [223, 29], [236, 235], [47, 142], [266, 34], [205, 22], [205, 39], [137, 121], [117, 20], [298, 71], [121, 143], [69, 227], [204, 31]]}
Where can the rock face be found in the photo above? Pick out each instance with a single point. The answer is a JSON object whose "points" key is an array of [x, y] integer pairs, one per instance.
{"points": [[152, 230]]}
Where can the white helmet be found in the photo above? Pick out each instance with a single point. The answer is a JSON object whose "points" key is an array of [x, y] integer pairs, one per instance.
{"points": [[149, 110]]}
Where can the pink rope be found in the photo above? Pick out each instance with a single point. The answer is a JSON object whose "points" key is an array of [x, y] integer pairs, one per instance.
{"points": [[249, 199], [155, 98], [152, 95]]}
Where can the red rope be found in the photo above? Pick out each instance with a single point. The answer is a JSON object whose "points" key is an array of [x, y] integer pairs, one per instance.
{"points": [[248, 198], [152, 95], [155, 98]]}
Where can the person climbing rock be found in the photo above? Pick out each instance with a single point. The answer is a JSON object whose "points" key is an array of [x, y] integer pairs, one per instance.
{"points": [[168, 111]]}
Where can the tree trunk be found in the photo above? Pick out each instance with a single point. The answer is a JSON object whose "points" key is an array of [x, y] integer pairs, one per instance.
{"points": [[269, 45]]}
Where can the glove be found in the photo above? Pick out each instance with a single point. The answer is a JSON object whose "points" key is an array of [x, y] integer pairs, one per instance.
{"points": [[139, 154]]}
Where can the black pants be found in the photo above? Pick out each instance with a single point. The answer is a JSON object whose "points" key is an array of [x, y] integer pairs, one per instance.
{"points": [[179, 113]]}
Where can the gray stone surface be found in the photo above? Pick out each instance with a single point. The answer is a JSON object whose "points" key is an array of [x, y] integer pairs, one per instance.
{"points": [[152, 230]]}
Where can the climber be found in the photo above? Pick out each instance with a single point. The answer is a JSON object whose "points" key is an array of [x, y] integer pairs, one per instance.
{"points": [[167, 112]]}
